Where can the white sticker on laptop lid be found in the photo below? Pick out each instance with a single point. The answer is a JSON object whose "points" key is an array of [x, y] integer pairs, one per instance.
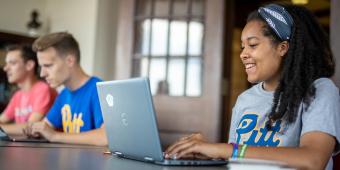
{"points": [[109, 100]]}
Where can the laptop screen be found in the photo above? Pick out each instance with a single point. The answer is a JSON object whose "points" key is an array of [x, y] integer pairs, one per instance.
{"points": [[130, 119]]}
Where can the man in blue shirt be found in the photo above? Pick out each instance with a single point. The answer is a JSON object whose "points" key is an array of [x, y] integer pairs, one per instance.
{"points": [[76, 111]]}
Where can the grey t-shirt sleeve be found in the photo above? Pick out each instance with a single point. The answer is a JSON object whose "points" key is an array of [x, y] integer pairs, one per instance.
{"points": [[323, 114]]}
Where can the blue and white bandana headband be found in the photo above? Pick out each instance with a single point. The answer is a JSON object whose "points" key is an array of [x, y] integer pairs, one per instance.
{"points": [[278, 19]]}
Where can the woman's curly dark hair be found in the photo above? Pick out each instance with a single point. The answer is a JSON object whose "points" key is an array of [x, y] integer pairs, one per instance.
{"points": [[309, 57]]}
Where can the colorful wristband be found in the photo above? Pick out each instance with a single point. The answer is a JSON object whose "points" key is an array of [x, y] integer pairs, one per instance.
{"points": [[242, 151], [235, 150]]}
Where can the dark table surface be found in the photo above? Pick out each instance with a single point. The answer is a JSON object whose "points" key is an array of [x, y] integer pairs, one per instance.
{"points": [[42, 156]]}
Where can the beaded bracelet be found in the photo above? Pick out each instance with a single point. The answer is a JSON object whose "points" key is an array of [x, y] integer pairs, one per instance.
{"points": [[235, 150], [242, 151]]}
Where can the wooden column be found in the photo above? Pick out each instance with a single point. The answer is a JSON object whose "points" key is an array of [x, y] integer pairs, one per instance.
{"points": [[335, 37]]}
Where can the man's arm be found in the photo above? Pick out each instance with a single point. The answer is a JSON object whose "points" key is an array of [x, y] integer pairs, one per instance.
{"points": [[17, 129], [4, 118], [92, 137]]}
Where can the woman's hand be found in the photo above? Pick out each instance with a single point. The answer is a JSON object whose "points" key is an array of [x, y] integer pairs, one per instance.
{"points": [[195, 147]]}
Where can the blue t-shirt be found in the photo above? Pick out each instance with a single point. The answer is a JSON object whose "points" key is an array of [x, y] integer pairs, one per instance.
{"points": [[77, 111]]}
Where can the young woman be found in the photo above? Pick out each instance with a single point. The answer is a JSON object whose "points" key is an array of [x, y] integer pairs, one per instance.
{"points": [[292, 114]]}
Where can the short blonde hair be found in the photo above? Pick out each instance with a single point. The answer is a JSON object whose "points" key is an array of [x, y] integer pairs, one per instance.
{"points": [[64, 43]]}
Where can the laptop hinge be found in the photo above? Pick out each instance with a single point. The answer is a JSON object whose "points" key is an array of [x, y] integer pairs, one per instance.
{"points": [[118, 153], [148, 159]]}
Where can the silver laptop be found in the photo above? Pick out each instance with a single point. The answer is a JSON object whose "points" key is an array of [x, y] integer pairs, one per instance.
{"points": [[131, 125]]}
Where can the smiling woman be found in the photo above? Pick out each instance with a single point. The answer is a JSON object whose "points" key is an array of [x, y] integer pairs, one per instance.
{"points": [[261, 58], [282, 117]]}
